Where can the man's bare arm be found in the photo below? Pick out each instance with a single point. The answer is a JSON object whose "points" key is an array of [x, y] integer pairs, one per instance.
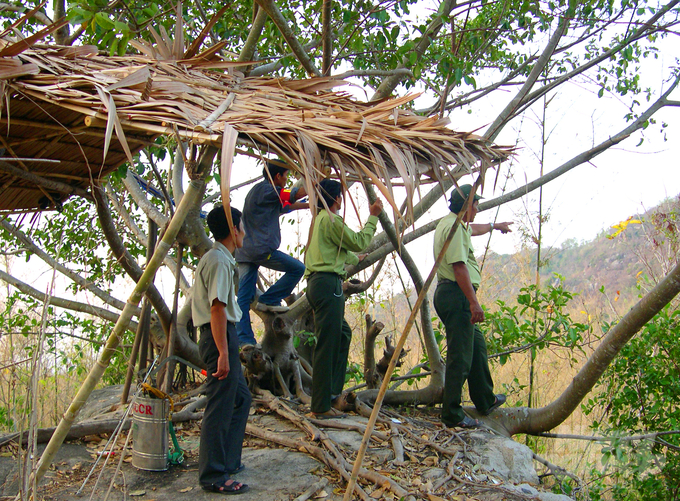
{"points": [[298, 206], [218, 326], [482, 228]]}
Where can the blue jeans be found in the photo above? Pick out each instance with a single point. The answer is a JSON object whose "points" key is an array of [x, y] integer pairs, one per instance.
{"points": [[279, 261]]}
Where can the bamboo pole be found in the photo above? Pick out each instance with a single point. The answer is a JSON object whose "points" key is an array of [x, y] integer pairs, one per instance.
{"points": [[400, 345], [191, 197]]}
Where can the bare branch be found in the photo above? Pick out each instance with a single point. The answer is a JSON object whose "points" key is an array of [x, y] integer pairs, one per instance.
{"points": [[380, 246], [327, 37], [248, 50], [44, 182], [53, 263], [140, 199], [141, 237], [546, 418], [66, 304], [509, 111], [270, 7], [402, 72], [425, 315], [41, 17], [618, 438], [390, 83], [645, 30], [126, 260]]}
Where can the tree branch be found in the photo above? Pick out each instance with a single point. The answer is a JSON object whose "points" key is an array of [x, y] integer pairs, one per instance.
{"points": [[642, 32], [125, 259], [142, 237], [275, 14], [66, 304], [381, 247], [45, 183], [509, 111], [546, 418], [327, 37], [402, 72], [250, 45], [53, 263], [41, 17], [390, 83], [140, 199], [436, 362]]}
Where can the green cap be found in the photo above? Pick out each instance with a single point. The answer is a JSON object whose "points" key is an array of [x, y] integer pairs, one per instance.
{"points": [[456, 201]]}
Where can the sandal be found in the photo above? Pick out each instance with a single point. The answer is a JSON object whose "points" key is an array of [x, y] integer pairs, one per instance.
{"points": [[226, 488], [500, 400], [240, 468], [332, 413]]}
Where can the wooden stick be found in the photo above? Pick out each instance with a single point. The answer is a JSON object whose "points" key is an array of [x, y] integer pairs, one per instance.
{"points": [[312, 490]]}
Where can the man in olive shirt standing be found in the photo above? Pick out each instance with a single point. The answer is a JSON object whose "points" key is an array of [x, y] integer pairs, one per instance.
{"points": [[331, 247], [455, 301]]}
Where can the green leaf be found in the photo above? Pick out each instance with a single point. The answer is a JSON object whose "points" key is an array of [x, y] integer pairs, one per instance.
{"points": [[122, 27], [113, 48], [103, 21]]}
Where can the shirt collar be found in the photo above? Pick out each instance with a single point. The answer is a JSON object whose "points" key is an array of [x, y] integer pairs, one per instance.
{"points": [[220, 247]]}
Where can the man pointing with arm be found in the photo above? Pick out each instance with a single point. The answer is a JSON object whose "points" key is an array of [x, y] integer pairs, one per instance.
{"points": [[455, 301]]}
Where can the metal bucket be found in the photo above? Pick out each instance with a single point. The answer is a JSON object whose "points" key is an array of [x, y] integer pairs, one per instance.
{"points": [[150, 434]]}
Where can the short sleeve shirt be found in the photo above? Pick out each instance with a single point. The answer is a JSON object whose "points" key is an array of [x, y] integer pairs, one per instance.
{"points": [[215, 279], [460, 250]]}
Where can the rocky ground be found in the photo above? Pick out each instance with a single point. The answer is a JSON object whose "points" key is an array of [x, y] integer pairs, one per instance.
{"points": [[425, 462]]}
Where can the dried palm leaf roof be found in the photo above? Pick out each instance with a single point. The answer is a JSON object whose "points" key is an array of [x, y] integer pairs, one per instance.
{"points": [[71, 115]]}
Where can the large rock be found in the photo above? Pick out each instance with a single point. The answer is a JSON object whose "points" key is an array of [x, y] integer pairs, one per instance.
{"points": [[504, 457]]}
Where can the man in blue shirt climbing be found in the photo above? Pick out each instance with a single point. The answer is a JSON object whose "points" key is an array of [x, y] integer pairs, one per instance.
{"points": [[265, 202]]}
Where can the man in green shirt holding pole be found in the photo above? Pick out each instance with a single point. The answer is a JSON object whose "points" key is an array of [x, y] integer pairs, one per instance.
{"points": [[330, 249], [455, 301]]}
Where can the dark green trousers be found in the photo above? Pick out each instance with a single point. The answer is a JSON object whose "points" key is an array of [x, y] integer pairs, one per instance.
{"points": [[466, 357], [333, 336]]}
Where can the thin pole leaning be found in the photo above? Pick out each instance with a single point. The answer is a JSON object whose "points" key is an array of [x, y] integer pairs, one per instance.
{"points": [[400, 345], [191, 197]]}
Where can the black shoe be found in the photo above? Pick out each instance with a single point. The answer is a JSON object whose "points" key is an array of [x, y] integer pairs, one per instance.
{"points": [[468, 423], [500, 400]]}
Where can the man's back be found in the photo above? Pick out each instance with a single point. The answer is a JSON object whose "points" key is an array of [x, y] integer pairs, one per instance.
{"points": [[261, 221]]}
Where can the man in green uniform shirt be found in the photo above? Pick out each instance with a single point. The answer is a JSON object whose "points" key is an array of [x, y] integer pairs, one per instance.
{"points": [[332, 246], [455, 301]]}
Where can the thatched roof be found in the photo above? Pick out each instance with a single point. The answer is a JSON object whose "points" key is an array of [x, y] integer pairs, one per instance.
{"points": [[87, 113]]}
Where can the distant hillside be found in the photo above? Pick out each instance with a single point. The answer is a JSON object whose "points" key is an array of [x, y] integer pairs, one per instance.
{"points": [[615, 263]]}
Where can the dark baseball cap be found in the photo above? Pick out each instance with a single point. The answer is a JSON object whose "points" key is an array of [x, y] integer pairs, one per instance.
{"points": [[457, 200]]}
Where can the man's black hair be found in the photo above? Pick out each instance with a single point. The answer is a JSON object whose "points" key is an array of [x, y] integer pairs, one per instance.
{"points": [[273, 169], [330, 190], [217, 222]]}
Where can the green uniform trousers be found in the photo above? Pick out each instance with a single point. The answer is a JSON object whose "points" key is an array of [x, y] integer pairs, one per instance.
{"points": [[333, 336], [466, 357]]}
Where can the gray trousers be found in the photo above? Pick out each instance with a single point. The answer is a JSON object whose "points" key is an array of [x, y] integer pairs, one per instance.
{"points": [[226, 413]]}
